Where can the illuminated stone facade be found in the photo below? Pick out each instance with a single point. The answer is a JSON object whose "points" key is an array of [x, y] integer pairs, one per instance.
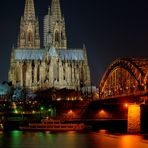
{"points": [[54, 27], [29, 28], [53, 66], [133, 118]]}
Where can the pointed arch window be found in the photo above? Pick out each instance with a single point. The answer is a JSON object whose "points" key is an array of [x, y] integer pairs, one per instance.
{"points": [[24, 73], [33, 68], [62, 36], [18, 74], [57, 38], [38, 73], [30, 36]]}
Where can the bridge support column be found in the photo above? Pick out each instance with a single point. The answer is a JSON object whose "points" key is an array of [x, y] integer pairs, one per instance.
{"points": [[134, 118]]}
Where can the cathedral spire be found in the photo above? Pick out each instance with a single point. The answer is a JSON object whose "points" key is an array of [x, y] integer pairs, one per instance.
{"points": [[29, 36], [56, 9], [54, 27], [29, 12]]}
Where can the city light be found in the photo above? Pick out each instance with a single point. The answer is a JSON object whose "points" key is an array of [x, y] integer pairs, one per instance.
{"points": [[33, 112], [49, 110], [16, 111], [102, 114], [126, 105], [58, 99], [42, 108], [70, 114]]}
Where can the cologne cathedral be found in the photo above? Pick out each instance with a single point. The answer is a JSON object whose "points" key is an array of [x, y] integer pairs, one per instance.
{"points": [[53, 66]]}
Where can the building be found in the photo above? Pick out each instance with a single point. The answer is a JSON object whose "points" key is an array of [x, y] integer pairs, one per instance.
{"points": [[5, 91], [54, 65]]}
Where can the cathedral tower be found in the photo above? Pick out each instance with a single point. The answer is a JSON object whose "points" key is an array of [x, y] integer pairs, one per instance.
{"points": [[54, 27], [29, 28], [53, 66]]}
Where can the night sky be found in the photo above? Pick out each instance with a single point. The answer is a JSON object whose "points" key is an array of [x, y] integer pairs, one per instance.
{"points": [[110, 29]]}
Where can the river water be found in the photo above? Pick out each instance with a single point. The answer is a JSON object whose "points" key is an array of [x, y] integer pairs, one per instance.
{"points": [[100, 139]]}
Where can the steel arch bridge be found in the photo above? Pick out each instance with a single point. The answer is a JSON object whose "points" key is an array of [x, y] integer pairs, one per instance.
{"points": [[125, 76]]}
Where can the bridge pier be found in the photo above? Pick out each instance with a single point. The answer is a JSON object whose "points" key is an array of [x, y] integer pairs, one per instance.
{"points": [[134, 118]]}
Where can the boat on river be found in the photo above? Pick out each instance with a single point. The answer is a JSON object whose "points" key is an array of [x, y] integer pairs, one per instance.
{"points": [[54, 125]]}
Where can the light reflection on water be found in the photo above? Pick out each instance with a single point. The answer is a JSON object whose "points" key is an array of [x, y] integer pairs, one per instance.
{"points": [[129, 141], [101, 139]]}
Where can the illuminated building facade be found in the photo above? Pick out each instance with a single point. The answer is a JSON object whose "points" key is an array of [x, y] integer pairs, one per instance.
{"points": [[55, 65]]}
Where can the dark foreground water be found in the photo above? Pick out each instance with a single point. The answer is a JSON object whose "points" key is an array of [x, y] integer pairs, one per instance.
{"points": [[20, 139]]}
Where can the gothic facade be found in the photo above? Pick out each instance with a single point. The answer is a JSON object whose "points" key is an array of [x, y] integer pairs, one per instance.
{"points": [[55, 65]]}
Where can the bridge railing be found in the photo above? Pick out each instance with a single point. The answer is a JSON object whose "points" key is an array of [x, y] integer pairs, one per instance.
{"points": [[137, 93]]}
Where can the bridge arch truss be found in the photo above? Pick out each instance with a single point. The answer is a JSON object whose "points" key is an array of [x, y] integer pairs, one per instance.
{"points": [[124, 76]]}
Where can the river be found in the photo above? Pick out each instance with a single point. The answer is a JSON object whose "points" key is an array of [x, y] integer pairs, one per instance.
{"points": [[100, 139]]}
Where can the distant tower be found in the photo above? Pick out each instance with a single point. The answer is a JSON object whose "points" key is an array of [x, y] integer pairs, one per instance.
{"points": [[29, 28], [54, 27]]}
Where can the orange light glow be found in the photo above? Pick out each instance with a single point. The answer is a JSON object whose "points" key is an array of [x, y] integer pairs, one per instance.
{"points": [[70, 114], [134, 118], [102, 114], [126, 105], [130, 141]]}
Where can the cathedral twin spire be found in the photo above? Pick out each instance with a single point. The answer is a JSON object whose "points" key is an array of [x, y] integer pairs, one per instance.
{"points": [[54, 28], [29, 12], [29, 37], [55, 9], [37, 68]]}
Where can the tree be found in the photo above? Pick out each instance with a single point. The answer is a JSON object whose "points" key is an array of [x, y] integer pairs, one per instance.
{"points": [[19, 94]]}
